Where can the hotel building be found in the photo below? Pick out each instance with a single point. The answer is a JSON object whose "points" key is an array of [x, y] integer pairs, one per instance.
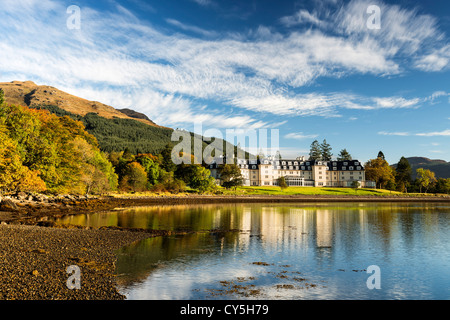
{"points": [[299, 172]]}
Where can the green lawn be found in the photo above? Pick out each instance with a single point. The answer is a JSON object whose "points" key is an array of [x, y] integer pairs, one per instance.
{"points": [[308, 191]]}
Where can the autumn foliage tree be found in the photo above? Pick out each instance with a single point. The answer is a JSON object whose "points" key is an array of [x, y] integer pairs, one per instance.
{"points": [[40, 151], [378, 170]]}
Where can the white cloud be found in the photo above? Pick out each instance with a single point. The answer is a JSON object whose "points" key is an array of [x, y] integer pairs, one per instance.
{"points": [[188, 27], [300, 136], [437, 60], [443, 133], [301, 17], [120, 60], [396, 102], [203, 2], [384, 133]]}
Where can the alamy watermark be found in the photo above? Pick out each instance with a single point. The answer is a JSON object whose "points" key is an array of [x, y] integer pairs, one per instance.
{"points": [[374, 281], [74, 280], [73, 22], [374, 20], [221, 148]]}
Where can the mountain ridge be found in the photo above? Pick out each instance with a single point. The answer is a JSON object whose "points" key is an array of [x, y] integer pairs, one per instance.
{"points": [[28, 93], [440, 167]]}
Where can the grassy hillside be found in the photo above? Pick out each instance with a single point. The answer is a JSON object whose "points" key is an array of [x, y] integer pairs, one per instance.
{"points": [[29, 94]]}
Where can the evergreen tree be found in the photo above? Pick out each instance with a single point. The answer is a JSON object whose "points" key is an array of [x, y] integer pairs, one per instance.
{"points": [[167, 163], [315, 152], [325, 149], [344, 155], [403, 175]]}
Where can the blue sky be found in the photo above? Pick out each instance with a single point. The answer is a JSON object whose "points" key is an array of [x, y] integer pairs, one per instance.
{"points": [[311, 69]]}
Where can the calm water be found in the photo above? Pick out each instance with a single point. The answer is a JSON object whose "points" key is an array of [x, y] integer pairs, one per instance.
{"points": [[285, 251]]}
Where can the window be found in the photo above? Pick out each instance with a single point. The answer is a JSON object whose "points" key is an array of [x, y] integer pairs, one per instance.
{"points": [[307, 163], [253, 167], [335, 164], [358, 168], [345, 163], [284, 162], [320, 177], [303, 167], [344, 168], [356, 163], [295, 163], [267, 177], [335, 168], [350, 168]]}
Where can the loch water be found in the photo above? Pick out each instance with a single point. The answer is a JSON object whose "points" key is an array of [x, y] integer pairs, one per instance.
{"points": [[284, 251]]}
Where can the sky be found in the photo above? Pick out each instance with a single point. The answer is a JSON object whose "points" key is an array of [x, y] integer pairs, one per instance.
{"points": [[364, 75]]}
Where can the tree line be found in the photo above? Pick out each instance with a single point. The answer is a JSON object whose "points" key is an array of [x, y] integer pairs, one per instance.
{"points": [[384, 175], [322, 151], [400, 177]]}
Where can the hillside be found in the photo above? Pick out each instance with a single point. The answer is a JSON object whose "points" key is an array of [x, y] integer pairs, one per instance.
{"points": [[115, 130], [440, 167], [29, 94]]}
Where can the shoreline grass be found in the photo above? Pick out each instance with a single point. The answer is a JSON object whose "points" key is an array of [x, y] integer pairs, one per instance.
{"points": [[271, 191]]}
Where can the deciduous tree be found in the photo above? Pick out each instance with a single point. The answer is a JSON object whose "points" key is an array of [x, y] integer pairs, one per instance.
{"points": [[378, 170], [425, 178]]}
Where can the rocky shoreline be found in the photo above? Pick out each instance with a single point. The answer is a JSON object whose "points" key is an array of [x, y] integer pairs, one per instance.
{"points": [[28, 208], [35, 253]]}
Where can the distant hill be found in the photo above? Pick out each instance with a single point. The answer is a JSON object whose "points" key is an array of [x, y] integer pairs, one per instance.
{"points": [[441, 168]]}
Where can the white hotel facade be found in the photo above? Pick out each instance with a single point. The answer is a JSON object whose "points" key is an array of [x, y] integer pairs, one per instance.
{"points": [[299, 172]]}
